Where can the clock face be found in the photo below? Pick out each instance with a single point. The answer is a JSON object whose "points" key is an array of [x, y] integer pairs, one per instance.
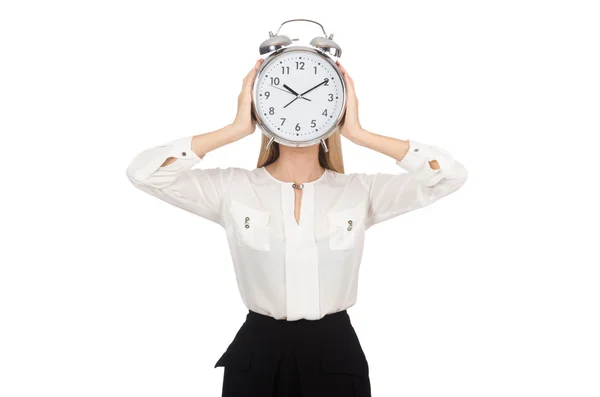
{"points": [[299, 95]]}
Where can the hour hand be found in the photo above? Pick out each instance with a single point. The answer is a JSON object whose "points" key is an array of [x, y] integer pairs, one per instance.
{"points": [[281, 89], [290, 90], [294, 92]]}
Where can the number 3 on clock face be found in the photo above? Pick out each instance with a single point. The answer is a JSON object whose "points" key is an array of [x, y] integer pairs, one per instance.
{"points": [[299, 96]]}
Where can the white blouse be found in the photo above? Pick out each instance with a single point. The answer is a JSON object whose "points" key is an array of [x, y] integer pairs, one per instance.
{"points": [[285, 269]]}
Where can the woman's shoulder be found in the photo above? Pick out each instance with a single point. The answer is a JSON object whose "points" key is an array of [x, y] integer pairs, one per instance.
{"points": [[345, 177], [253, 176]]}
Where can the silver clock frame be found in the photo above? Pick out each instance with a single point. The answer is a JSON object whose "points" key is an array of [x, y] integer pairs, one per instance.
{"points": [[265, 129]]}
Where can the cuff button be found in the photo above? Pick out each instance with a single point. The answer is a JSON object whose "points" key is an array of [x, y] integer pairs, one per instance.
{"points": [[416, 150], [183, 153]]}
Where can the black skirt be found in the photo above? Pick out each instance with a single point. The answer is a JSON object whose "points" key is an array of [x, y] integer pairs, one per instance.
{"points": [[302, 358]]}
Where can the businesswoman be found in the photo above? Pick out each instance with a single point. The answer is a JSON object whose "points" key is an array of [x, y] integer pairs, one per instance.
{"points": [[295, 227]]}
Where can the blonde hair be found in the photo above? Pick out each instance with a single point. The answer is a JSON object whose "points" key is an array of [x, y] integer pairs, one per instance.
{"points": [[332, 160]]}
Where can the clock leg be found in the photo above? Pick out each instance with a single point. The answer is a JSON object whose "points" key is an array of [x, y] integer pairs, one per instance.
{"points": [[269, 143], [324, 145]]}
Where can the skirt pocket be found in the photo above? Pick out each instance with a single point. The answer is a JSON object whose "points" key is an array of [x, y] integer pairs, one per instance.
{"points": [[238, 360], [353, 365], [247, 372]]}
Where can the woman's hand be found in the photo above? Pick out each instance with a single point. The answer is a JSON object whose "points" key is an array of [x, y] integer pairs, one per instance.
{"points": [[244, 123], [350, 126]]}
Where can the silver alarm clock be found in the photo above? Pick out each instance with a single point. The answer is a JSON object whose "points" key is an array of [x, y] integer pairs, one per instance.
{"points": [[299, 95]]}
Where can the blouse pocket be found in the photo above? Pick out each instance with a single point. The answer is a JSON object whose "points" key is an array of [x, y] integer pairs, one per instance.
{"points": [[344, 227], [251, 226]]}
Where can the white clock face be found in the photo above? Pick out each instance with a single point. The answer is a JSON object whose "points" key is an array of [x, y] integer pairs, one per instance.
{"points": [[299, 96]]}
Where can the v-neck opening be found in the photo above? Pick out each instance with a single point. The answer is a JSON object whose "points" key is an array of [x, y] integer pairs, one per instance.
{"points": [[306, 208], [298, 222]]}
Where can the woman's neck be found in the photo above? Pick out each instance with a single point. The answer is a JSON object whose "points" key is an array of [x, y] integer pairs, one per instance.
{"points": [[297, 164]]}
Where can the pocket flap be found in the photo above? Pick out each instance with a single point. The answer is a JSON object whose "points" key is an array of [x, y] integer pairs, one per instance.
{"points": [[345, 216], [241, 211], [345, 363], [235, 359]]}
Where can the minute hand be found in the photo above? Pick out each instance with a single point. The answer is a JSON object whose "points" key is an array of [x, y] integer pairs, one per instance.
{"points": [[318, 85]]}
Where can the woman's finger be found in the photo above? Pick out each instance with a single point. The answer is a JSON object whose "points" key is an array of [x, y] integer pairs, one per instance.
{"points": [[259, 61], [253, 71], [247, 83], [343, 69], [347, 78], [349, 84]]}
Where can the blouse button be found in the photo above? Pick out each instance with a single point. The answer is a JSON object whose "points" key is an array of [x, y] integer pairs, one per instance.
{"points": [[183, 153], [416, 150], [349, 224], [247, 225]]}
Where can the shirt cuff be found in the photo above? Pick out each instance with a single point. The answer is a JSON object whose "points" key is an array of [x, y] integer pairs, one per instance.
{"points": [[418, 154], [416, 161], [180, 148]]}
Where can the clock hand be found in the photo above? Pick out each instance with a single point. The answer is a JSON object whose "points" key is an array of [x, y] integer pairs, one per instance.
{"points": [[295, 99], [318, 85], [287, 92], [294, 92], [291, 102], [290, 90]]}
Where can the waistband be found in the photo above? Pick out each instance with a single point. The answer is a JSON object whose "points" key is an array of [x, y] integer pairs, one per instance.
{"points": [[329, 319], [266, 333]]}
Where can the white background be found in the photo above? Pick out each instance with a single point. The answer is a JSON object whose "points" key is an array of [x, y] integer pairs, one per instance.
{"points": [[492, 291]]}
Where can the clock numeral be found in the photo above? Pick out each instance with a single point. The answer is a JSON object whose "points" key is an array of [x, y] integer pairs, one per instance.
{"points": [[330, 98], [315, 69], [324, 113], [297, 128], [313, 123], [285, 69], [271, 110], [274, 80], [299, 65], [326, 83], [267, 94], [282, 120]]}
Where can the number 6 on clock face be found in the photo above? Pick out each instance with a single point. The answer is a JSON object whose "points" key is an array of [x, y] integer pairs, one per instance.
{"points": [[299, 96]]}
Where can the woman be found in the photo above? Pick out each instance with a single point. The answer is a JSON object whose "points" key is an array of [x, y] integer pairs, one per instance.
{"points": [[295, 227]]}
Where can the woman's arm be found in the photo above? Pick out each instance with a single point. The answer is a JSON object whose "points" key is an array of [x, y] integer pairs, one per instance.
{"points": [[432, 172], [165, 171]]}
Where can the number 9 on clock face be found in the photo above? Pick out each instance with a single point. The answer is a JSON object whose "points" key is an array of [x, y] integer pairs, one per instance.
{"points": [[299, 96]]}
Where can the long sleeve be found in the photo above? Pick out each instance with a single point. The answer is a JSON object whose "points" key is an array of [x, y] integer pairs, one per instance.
{"points": [[199, 191], [391, 195]]}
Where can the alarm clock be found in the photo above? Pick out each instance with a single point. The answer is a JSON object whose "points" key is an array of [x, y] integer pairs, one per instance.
{"points": [[298, 95]]}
